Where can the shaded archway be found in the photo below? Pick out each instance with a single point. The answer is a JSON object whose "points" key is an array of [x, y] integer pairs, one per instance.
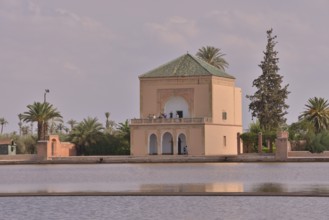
{"points": [[181, 143], [177, 105], [153, 145], [167, 144]]}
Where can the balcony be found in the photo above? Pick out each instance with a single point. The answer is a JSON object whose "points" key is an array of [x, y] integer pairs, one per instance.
{"points": [[162, 121]]}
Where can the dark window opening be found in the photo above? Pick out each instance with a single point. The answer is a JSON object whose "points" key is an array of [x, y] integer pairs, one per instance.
{"points": [[224, 115], [179, 114]]}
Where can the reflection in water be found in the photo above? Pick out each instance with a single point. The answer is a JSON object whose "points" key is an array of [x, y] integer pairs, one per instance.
{"points": [[269, 187], [187, 187], [212, 177], [315, 189], [224, 187], [235, 188]]}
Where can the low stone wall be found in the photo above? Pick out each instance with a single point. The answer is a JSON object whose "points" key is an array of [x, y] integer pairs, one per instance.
{"points": [[307, 154], [19, 157], [140, 159]]}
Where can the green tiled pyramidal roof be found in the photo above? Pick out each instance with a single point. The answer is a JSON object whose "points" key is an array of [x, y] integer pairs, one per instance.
{"points": [[186, 65]]}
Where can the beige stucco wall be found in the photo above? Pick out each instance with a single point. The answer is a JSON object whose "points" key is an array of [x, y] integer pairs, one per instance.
{"points": [[138, 141], [197, 141], [195, 90], [226, 98], [238, 107], [214, 139]]}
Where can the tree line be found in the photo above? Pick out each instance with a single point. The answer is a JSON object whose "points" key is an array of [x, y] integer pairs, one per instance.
{"points": [[89, 135]]}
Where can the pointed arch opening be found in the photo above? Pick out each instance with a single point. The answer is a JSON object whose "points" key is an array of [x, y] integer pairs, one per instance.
{"points": [[167, 144], [153, 145], [181, 144]]}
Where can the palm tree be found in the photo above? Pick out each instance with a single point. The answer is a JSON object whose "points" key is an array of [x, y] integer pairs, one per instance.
{"points": [[41, 113], [213, 56], [25, 129], [60, 127], [20, 124], [72, 123], [124, 130], [86, 133], [31, 126], [317, 112], [109, 124], [3, 122], [53, 124]]}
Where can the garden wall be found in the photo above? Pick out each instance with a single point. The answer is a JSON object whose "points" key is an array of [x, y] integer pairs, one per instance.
{"points": [[19, 157], [307, 154]]}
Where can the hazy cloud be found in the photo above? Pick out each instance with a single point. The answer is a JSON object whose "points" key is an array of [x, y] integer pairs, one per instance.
{"points": [[90, 53], [87, 23], [176, 31]]}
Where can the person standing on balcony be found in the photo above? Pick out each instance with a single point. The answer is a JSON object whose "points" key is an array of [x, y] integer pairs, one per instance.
{"points": [[185, 150]]}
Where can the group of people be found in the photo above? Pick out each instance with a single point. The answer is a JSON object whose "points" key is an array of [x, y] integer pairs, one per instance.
{"points": [[164, 115], [171, 115]]}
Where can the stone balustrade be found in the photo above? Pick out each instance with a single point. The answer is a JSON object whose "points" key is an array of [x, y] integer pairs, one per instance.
{"points": [[171, 121]]}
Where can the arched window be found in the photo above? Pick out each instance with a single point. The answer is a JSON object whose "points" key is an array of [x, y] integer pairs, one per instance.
{"points": [[167, 144], [176, 106], [181, 143], [153, 145], [53, 147]]}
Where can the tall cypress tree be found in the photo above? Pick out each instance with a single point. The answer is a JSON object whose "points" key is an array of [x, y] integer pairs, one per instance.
{"points": [[268, 103]]}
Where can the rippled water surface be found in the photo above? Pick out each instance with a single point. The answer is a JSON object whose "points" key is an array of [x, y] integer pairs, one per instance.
{"points": [[159, 208], [210, 177]]}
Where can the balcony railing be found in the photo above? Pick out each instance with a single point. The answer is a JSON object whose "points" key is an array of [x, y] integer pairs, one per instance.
{"points": [[171, 121]]}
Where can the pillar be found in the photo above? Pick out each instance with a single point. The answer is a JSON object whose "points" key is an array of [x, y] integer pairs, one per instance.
{"points": [[42, 150], [282, 146], [260, 142]]}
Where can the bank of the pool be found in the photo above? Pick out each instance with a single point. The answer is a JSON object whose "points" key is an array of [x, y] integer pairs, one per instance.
{"points": [[160, 159], [277, 194]]}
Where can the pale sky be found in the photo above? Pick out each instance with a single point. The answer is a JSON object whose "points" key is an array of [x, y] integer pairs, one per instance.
{"points": [[89, 53]]}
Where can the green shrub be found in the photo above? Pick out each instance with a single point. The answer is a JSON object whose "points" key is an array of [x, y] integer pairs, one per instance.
{"points": [[109, 145], [250, 140], [318, 143]]}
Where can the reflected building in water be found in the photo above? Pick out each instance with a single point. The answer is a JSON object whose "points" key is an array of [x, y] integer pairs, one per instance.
{"points": [[193, 188], [187, 106]]}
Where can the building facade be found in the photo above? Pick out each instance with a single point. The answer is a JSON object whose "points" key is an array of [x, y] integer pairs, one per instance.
{"points": [[187, 106], [7, 147], [53, 147]]}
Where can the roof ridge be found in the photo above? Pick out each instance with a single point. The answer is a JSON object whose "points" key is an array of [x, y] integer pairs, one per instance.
{"points": [[186, 65], [204, 63], [197, 60]]}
